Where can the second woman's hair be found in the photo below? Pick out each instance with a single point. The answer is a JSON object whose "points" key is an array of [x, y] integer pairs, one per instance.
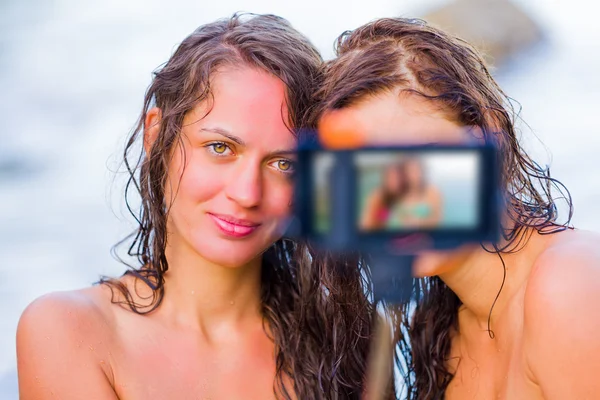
{"points": [[408, 56]]}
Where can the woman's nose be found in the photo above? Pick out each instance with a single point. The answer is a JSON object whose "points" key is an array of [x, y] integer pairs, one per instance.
{"points": [[245, 184]]}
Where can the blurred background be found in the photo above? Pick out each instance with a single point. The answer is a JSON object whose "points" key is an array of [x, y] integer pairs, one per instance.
{"points": [[72, 79]]}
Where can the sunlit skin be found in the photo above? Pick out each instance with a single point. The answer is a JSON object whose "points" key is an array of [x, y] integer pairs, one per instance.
{"points": [[545, 320], [229, 190]]}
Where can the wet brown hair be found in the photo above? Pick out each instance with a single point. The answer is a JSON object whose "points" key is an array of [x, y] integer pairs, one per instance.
{"points": [[317, 310], [408, 55]]}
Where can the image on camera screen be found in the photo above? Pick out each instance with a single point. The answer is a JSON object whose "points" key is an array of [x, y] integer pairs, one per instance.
{"points": [[411, 191], [404, 190]]}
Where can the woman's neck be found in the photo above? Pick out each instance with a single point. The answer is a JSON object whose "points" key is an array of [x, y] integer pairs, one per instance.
{"points": [[209, 297], [478, 276]]}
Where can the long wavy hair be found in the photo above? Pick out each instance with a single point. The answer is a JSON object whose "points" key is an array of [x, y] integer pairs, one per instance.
{"points": [[409, 55], [317, 309]]}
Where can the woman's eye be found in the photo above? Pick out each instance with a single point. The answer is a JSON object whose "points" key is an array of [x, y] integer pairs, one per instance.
{"points": [[285, 166], [218, 148]]}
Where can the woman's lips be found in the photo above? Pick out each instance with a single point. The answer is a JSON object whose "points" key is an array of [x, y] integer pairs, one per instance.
{"points": [[232, 226]]}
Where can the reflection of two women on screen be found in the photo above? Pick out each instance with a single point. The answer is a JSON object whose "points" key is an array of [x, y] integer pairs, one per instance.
{"points": [[404, 199]]}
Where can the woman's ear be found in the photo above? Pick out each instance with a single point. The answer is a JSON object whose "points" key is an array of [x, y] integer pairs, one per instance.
{"points": [[151, 127]]}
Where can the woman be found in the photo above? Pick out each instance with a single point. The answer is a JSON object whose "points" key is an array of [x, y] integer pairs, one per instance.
{"points": [[421, 207], [511, 320], [404, 200], [219, 306], [377, 212]]}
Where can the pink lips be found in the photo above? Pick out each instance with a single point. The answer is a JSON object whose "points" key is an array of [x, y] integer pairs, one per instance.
{"points": [[232, 226]]}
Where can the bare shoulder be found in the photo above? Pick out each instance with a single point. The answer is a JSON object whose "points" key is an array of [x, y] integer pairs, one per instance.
{"points": [[571, 261], [561, 316], [78, 312], [63, 337], [65, 321]]}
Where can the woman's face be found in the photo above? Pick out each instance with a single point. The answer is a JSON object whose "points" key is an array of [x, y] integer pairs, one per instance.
{"points": [[231, 183], [393, 181], [397, 119], [413, 172]]}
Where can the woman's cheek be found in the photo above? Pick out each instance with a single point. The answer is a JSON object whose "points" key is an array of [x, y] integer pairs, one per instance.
{"points": [[278, 198], [277, 209], [203, 180]]}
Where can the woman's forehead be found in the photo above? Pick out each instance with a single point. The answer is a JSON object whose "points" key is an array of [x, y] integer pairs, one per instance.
{"points": [[246, 103], [390, 118]]}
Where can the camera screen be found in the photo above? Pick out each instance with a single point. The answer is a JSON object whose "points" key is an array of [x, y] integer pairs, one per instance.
{"points": [[404, 190], [398, 191]]}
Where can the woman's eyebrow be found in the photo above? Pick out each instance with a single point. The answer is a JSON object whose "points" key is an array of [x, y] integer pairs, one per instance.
{"points": [[283, 152], [225, 133], [228, 135]]}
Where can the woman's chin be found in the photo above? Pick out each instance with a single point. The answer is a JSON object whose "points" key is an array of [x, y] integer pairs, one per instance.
{"points": [[433, 263], [229, 258], [428, 263], [231, 249], [231, 253]]}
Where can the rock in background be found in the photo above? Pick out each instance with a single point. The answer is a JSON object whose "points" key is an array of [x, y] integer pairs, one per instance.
{"points": [[498, 28]]}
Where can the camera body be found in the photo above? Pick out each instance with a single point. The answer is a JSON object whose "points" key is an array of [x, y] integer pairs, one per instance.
{"points": [[397, 199]]}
